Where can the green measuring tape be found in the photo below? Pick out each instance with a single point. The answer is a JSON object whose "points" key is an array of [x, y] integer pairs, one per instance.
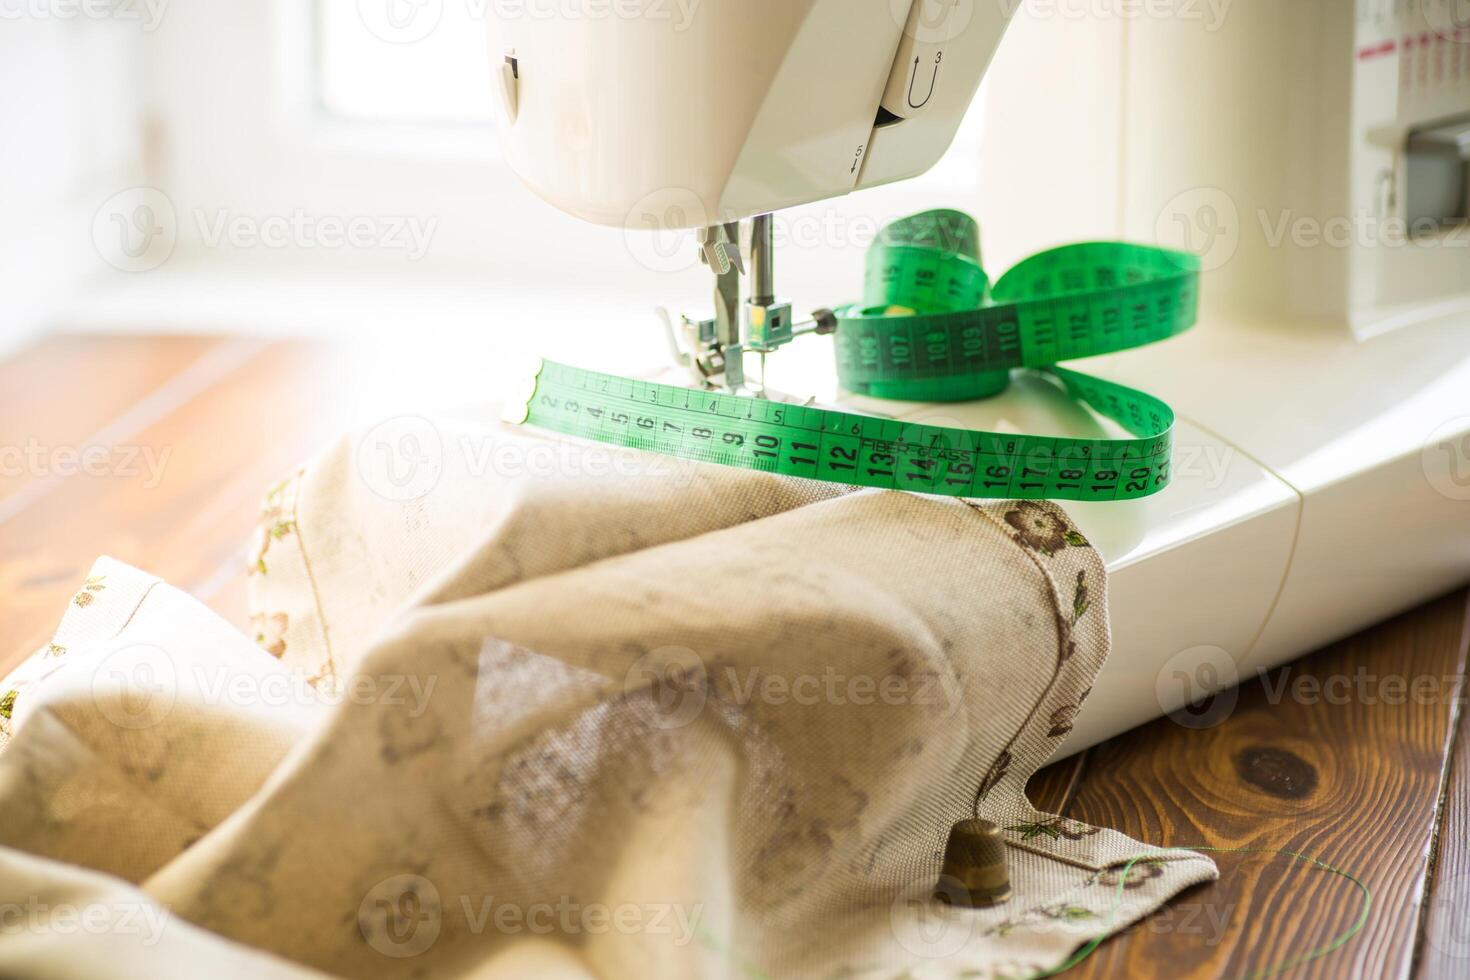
{"points": [[931, 328]]}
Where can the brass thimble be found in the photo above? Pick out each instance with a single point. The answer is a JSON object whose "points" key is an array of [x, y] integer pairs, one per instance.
{"points": [[975, 872]]}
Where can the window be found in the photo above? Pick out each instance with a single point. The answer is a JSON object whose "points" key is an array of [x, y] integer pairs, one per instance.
{"points": [[412, 61]]}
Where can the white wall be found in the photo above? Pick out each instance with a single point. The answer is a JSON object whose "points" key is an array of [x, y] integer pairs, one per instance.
{"points": [[70, 128]]}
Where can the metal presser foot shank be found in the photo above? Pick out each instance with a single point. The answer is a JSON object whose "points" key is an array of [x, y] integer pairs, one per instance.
{"points": [[714, 349]]}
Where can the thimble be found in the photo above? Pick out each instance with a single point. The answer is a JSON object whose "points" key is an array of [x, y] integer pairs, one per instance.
{"points": [[975, 873]]}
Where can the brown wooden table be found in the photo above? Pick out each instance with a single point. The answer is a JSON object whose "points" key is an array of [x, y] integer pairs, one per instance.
{"points": [[1368, 780]]}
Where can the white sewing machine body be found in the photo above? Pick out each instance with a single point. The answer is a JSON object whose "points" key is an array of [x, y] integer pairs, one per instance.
{"points": [[1322, 469], [749, 107]]}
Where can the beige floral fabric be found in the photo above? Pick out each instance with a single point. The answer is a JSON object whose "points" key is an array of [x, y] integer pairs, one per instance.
{"points": [[511, 705]]}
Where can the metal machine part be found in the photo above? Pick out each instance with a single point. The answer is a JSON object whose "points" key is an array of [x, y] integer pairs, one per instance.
{"points": [[714, 349]]}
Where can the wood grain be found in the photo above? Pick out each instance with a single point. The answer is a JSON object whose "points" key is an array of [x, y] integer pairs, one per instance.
{"points": [[1376, 785], [227, 418], [1356, 784], [1444, 946], [221, 436], [38, 408]]}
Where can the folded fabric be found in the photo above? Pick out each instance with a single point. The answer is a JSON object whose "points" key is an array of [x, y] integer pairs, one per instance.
{"points": [[522, 706]]}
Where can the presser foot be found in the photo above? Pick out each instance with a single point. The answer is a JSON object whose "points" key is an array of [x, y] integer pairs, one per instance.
{"points": [[713, 350]]}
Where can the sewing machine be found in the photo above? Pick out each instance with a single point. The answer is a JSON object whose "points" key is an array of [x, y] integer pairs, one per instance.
{"points": [[1322, 476]]}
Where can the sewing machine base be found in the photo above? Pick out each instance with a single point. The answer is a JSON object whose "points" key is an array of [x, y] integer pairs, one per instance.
{"points": [[1321, 484]]}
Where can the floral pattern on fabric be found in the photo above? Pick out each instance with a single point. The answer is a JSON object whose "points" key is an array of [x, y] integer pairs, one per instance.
{"points": [[1042, 528], [88, 592], [1142, 872], [1055, 828], [270, 632], [275, 524]]}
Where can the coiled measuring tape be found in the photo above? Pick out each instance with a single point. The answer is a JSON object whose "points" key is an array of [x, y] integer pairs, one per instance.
{"points": [[931, 328]]}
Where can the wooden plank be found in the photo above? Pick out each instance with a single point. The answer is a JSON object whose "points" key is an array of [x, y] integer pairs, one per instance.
{"points": [[231, 422], [223, 445], [1355, 784], [1052, 788], [1444, 947], [57, 394]]}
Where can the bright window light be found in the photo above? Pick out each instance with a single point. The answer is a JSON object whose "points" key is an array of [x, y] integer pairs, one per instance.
{"points": [[404, 60]]}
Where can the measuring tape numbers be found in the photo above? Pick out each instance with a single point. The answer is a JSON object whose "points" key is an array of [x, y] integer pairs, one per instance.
{"points": [[930, 328]]}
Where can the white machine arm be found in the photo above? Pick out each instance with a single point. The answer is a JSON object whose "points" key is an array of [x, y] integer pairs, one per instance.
{"points": [[692, 113]]}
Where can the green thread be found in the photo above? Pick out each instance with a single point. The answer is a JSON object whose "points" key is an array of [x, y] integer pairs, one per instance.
{"points": [[1307, 957]]}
